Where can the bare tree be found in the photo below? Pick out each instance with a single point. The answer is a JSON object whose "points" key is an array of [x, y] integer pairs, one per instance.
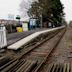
{"points": [[25, 5]]}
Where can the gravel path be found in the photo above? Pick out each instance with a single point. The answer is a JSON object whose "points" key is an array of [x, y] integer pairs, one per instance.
{"points": [[63, 52]]}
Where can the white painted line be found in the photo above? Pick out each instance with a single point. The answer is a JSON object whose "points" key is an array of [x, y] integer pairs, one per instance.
{"points": [[25, 40]]}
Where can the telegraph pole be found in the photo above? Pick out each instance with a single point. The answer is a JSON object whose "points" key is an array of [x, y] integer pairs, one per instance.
{"points": [[41, 21]]}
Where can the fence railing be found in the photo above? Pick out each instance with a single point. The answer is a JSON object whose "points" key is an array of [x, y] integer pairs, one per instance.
{"points": [[3, 40]]}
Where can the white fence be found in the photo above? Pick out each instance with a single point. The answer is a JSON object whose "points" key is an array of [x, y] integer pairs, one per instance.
{"points": [[3, 40]]}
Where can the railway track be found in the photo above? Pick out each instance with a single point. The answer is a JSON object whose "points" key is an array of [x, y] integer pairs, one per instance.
{"points": [[35, 43], [34, 58]]}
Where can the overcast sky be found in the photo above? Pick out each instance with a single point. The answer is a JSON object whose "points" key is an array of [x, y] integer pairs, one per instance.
{"points": [[9, 7], [12, 7], [67, 9]]}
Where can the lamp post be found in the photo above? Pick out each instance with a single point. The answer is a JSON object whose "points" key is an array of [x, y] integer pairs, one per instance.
{"points": [[41, 21], [41, 17]]}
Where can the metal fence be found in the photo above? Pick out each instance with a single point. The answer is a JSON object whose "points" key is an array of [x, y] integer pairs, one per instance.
{"points": [[3, 40]]}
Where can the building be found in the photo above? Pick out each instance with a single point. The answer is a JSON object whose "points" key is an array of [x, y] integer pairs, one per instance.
{"points": [[10, 25]]}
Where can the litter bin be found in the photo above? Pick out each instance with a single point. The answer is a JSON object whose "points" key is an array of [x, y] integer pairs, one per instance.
{"points": [[19, 29]]}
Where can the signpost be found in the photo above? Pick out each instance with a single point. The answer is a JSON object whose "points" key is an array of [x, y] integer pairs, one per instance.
{"points": [[10, 16], [18, 18]]}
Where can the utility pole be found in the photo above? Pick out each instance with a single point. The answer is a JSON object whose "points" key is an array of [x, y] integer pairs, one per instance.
{"points": [[41, 21], [41, 17]]}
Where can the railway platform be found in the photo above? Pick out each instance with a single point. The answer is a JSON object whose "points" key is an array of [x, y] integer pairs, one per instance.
{"points": [[29, 37], [14, 37]]}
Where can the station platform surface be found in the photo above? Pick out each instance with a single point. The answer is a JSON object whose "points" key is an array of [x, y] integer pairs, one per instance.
{"points": [[28, 38], [14, 37]]}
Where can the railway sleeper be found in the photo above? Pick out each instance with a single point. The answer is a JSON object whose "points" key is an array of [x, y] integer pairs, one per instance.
{"points": [[19, 66], [7, 64], [4, 60], [53, 67], [27, 66], [14, 66]]}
